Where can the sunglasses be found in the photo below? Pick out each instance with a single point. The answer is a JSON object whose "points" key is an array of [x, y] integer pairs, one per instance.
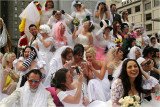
{"points": [[126, 13], [35, 81]]}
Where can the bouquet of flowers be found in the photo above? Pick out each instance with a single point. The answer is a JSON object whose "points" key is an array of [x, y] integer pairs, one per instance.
{"points": [[118, 41], [130, 101], [76, 21]]}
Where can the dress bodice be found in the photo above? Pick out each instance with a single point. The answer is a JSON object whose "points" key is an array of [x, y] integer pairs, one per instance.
{"points": [[45, 16], [81, 15], [42, 48], [98, 20], [139, 41], [82, 39]]}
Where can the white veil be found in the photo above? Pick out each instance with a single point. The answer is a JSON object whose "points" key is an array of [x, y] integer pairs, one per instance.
{"points": [[3, 36], [32, 16], [67, 33], [132, 52], [54, 65], [95, 9], [40, 98]]}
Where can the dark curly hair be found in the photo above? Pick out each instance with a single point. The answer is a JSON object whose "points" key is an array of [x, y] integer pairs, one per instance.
{"points": [[59, 79], [66, 52], [32, 49], [125, 79]]}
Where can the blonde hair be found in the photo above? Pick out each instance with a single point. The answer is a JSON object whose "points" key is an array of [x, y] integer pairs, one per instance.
{"points": [[6, 58], [92, 51], [1, 55]]}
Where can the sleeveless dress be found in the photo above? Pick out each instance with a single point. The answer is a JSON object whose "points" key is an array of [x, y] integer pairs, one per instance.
{"points": [[82, 15], [63, 94], [99, 89]]}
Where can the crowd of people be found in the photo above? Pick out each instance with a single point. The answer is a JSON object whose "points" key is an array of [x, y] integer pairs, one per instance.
{"points": [[83, 59]]}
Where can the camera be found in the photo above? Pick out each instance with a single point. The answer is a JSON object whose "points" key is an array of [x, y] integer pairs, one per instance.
{"points": [[84, 63], [76, 68], [148, 62]]}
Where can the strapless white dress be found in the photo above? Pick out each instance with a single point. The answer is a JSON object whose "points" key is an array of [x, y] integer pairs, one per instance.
{"points": [[99, 89], [63, 94]]}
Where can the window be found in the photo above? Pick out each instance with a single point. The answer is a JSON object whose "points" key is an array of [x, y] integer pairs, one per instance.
{"points": [[129, 11], [15, 29], [156, 3], [15, 1], [15, 22], [22, 3], [148, 6], [15, 15], [148, 27], [15, 8], [148, 16], [137, 8]]}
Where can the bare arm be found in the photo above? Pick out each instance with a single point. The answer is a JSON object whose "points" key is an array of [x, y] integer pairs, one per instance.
{"points": [[47, 43], [107, 13], [76, 98], [74, 35], [102, 73], [20, 66]]}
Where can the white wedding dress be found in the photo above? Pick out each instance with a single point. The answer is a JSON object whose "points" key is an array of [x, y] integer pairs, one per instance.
{"points": [[99, 89], [117, 91], [63, 94]]}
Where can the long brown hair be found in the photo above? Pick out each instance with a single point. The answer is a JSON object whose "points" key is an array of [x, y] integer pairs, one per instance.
{"points": [[124, 17], [115, 29], [125, 79]]}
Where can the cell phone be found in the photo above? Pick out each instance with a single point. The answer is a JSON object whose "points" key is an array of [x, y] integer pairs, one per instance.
{"points": [[148, 62], [84, 63]]}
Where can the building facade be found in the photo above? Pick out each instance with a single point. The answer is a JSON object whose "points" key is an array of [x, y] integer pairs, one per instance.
{"points": [[141, 12]]}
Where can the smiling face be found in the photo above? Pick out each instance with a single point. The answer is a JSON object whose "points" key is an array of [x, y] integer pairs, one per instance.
{"points": [[13, 57], [69, 78], [119, 54], [27, 52], [69, 56], [33, 30], [58, 15], [34, 80], [86, 25], [90, 57], [78, 57], [138, 53], [132, 69]]}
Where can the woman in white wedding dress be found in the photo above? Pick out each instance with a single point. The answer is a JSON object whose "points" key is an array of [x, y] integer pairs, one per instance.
{"points": [[79, 11], [102, 12], [46, 11], [99, 86], [70, 92], [84, 36], [133, 81], [62, 35], [60, 59]]}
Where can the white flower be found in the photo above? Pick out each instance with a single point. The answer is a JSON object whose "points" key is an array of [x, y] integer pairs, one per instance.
{"points": [[121, 101], [137, 98], [127, 98], [125, 104], [136, 104], [131, 101]]}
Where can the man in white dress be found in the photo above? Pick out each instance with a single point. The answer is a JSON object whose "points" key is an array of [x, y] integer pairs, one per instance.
{"points": [[58, 16], [32, 94]]}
